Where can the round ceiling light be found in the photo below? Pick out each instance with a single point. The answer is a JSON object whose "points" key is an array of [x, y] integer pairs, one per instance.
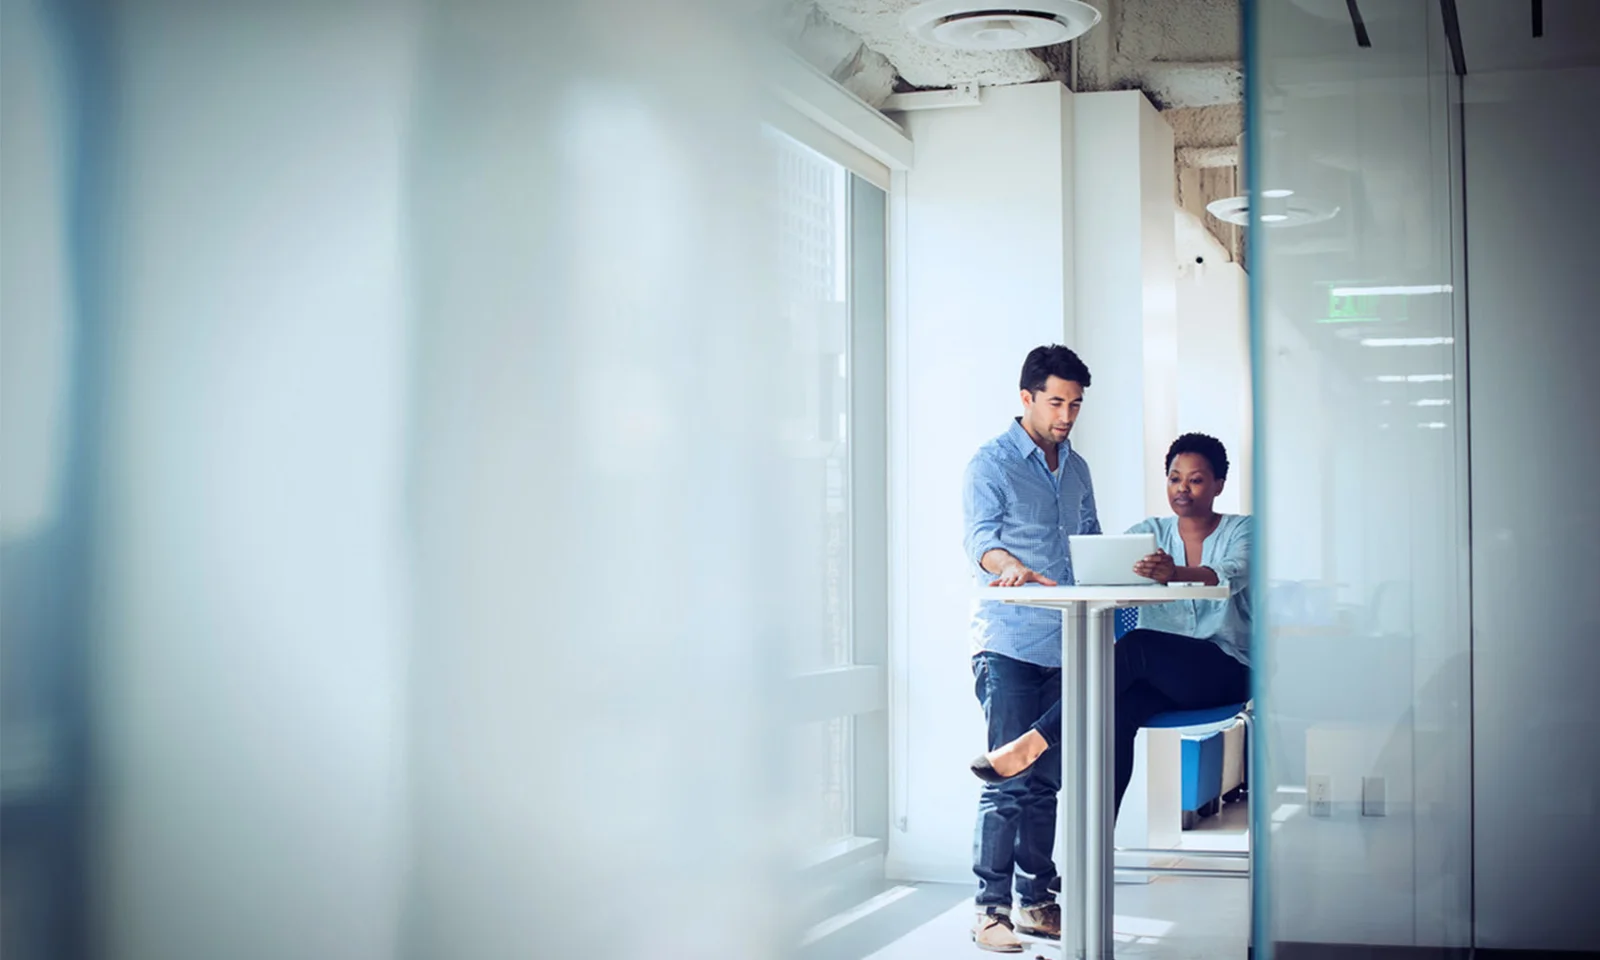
{"points": [[1284, 209], [1017, 25]]}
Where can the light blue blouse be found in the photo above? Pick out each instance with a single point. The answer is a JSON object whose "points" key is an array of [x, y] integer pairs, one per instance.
{"points": [[1225, 623]]}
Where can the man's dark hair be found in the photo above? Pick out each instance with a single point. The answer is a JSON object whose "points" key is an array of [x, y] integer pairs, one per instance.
{"points": [[1052, 361], [1209, 447]]}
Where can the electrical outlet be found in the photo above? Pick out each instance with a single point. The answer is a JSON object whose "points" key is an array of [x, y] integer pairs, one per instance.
{"points": [[1372, 794], [1319, 795]]}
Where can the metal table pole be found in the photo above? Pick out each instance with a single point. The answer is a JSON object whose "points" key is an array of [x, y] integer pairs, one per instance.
{"points": [[1071, 821], [1099, 782]]}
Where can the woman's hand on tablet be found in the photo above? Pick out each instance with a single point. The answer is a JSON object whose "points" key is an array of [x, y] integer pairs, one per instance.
{"points": [[1157, 566]]}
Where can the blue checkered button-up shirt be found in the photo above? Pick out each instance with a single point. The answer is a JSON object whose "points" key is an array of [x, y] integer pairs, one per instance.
{"points": [[1013, 502]]}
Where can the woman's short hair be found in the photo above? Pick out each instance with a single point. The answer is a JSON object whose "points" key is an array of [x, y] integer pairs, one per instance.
{"points": [[1209, 447]]}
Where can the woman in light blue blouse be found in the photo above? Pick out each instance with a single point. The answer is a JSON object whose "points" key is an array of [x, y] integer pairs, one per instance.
{"points": [[1186, 654]]}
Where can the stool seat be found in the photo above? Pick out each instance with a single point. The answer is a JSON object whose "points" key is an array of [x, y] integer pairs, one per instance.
{"points": [[1196, 718]]}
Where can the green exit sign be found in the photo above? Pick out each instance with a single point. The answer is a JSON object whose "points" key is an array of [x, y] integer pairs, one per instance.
{"points": [[1357, 307], [1351, 309]]}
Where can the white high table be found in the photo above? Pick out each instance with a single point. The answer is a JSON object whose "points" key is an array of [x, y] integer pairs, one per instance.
{"points": [[1086, 808]]}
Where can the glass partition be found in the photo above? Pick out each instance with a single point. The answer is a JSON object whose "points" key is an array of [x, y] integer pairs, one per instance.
{"points": [[1363, 789]]}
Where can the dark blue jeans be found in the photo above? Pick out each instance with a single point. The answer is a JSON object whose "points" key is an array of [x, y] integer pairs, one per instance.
{"points": [[1016, 830], [1158, 672]]}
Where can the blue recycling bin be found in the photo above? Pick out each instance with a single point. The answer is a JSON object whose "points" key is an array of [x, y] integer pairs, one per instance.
{"points": [[1202, 771]]}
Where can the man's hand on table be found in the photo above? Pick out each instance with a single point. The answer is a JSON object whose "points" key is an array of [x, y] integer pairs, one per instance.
{"points": [[1015, 575]]}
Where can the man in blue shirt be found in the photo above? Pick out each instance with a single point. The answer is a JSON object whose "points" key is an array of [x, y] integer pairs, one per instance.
{"points": [[1026, 491]]}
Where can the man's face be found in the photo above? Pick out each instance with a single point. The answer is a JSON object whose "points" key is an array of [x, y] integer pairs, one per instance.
{"points": [[1050, 413], [1191, 486]]}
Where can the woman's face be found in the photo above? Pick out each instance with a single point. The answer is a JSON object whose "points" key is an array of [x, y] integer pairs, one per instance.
{"points": [[1191, 486]]}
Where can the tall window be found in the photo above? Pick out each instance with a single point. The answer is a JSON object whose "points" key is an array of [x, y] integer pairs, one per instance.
{"points": [[831, 280], [813, 262]]}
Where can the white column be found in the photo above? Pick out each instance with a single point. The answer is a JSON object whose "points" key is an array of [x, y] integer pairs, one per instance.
{"points": [[1125, 298], [981, 261], [1214, 380]]}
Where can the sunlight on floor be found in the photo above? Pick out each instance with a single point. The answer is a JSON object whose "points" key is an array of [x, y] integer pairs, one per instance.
{"points": [[841, 920], [1141, 929], [1170, 918]]}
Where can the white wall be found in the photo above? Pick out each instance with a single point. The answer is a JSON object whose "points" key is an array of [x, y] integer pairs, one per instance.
{"points": [[982, 243], [1126, 299], [1156, 250], [1213, 380], [1531, 201], [1127, 307], [1024, 221]]}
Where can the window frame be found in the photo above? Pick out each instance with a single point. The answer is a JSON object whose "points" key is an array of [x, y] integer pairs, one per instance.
{"points": [[859, 689]]}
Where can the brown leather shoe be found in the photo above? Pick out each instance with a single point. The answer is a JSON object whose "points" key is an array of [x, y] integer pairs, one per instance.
{"points": [[1043, 921], [992, 931]]}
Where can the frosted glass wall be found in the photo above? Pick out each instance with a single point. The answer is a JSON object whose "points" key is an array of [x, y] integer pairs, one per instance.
{"points": [[1363, 792], [422, 531], [1532, 202]]}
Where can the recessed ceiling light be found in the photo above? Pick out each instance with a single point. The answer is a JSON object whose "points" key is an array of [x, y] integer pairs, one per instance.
{"points": [[1391, 291], [1015, 25], [1431, 402], [1294, 211], [1277, 194], [1407, 341]]}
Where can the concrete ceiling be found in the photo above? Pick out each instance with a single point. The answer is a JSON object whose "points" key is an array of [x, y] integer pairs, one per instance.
{"points": [[1184, 54], [835, 50]]}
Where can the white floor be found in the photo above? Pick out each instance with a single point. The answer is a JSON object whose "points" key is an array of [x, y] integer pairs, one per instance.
{"points": [[1169, 918]]}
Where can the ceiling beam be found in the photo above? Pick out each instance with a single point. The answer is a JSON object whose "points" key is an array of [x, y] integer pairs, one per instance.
{"points": [[1206, 157]]}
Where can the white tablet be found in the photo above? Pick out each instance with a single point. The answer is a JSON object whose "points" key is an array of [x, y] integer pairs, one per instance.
{"points": [[1099, 560]]}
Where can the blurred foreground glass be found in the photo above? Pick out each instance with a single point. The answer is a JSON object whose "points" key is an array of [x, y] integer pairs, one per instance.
{"points": [[1362, 799], [422, 537]]}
